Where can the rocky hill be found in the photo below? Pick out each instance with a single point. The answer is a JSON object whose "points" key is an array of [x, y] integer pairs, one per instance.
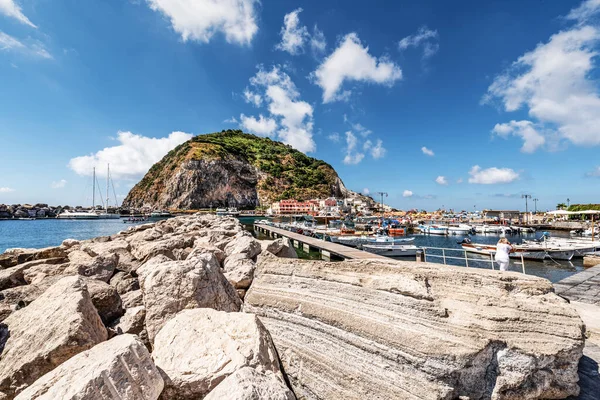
{"points": [[232, 168]]}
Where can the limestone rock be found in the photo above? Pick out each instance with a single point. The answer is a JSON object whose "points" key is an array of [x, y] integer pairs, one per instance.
{"points": [[124, 282], [119, 247], [100, 267], [68, 243], [37, 271], [18, 256], [243, 243], [132, 321], [173, 286], [14, 276], [132, 299], [106, 300], [18, 297], [249, 384], [239, 270], [203, 248], [199, 348], [119, 369], [381, 330], [143, 250], [282, 248], [59, 324]]}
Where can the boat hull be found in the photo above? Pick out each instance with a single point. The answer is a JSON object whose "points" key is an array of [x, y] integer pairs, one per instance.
{"points": [[392, 250]]}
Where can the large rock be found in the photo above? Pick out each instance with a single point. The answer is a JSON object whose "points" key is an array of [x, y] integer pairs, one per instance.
{"points": [[106, 300], [99, 267], [59, 324], [249, 384], [239, 270], [144, 250], [14, 276], [120, 247], [18, 256], [243, 243], [282, 248], [120, 369], [170, 287], [21, 296], [132, 299], [382, 330], [125, 282], [199, 348], [132, 321]]}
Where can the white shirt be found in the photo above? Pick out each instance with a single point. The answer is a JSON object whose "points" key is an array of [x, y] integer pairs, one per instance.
{"points": [[502, 251]]}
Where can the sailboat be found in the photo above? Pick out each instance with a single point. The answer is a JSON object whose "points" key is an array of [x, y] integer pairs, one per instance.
{"points": [[91, 214], [105, 214]]}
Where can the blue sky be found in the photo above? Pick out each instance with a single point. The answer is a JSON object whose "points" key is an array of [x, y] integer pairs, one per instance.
{"points": [[457, 104]]}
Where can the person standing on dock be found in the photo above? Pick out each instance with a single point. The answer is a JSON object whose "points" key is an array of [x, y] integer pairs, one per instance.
{"points": [[503, 249]]}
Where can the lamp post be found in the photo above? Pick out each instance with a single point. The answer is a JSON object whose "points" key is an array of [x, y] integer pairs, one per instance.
{"points": [[526, 197], [535, 201], [382, 194], [568, 203]]}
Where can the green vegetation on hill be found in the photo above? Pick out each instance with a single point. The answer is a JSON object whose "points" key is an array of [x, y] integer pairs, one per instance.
{"points": [[285, 172]]}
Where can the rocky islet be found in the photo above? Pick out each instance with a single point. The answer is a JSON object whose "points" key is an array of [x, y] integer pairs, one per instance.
{"points": [[195, 307]]}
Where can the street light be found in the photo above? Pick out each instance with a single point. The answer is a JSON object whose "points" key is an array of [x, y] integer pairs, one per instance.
{"points": [[535, 201], [568, 201], [382, 194], [526, 197]]}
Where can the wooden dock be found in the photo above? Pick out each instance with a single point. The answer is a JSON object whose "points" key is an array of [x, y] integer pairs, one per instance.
{"points": [[327, 249]]}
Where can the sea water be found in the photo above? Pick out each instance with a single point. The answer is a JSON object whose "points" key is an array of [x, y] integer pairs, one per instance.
{"points": [[51, 232]]}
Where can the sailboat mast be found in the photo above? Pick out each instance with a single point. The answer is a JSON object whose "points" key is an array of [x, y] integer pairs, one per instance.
{"points": [[94, 190], [107, 178]]}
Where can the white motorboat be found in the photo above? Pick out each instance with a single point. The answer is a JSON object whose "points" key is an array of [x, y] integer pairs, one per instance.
{"points": [[381, 240], [461, 229], [579, 246], [228, 212], [488, 229], [392, 250], [434, 229], [77, 215]]}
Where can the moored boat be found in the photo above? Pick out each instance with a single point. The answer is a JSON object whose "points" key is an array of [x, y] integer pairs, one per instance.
{"points": [[526, 251], [392, 250]]}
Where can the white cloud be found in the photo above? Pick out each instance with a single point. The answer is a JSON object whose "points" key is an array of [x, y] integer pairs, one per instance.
{"points": [[364, 132], [423, 36], [556, 84], [293, 35], [594, 173], [352, 62], [407, 193], [261, 126], [6, 190], [441, 180], [427, 152], [12, 9], [132, 158], [352, 155], [58, 184], [334, 137], [492, 175], [199, 20], [232, 120], [459, 180], [585, 11], [532, 139], [318, 43], [252, 98], [378, 151], [294, 116], [33, 47], [366, 191]]}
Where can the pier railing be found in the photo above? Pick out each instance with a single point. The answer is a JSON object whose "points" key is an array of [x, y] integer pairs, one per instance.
{"points": [[446, 254]]}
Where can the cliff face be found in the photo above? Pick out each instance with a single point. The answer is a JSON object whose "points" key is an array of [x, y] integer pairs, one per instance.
{"points": [[232, 168]]}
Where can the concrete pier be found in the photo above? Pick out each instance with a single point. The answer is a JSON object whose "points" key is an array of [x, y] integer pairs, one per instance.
{"points": [[327, 249]]}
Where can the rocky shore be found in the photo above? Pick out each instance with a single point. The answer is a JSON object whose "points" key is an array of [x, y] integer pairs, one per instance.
{"points": [[195, 307]]}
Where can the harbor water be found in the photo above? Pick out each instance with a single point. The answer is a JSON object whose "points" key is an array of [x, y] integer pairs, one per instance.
{"points": [[51, 232]]}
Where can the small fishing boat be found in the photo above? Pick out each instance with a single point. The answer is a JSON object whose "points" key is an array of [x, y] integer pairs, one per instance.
{"points": [[434, 229], [228, 212], [357, 241], [392, 250], [528, 252]]}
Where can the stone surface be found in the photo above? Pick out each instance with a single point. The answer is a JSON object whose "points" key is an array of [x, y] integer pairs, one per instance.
{"points": [[14, 276], [119, 369], [59, 324], [199, 348], [106, 300], [243, 243], [132, 321], [282, 248], [18, 256], [381, 330], [132, 299], [100, 267], [124, 282], [249, 384], [170, 287], [239, 270]]}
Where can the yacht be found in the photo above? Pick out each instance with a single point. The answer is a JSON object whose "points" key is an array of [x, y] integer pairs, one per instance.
{"points": [[228, 212]]}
